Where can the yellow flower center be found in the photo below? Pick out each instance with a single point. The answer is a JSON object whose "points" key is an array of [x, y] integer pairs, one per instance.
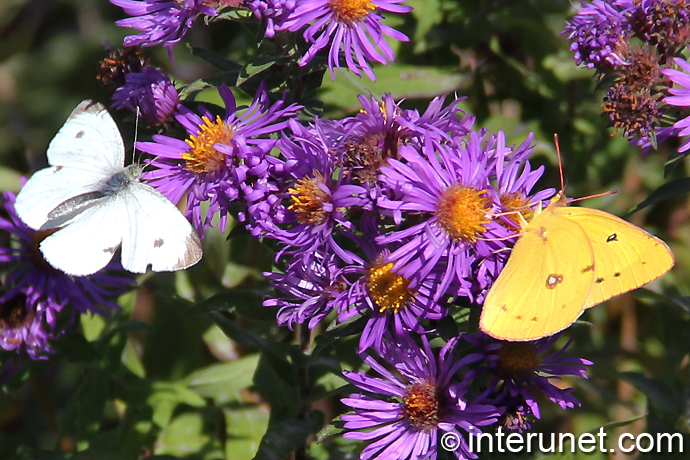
{"points": [[421, 405], [516, 360], [308, 200], [202, 157], [462, 212], [514, 203], [350, 11], [388, 290]]}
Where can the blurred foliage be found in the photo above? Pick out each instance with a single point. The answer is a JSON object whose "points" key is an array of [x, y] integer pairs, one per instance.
{"points": [[189, 370]]}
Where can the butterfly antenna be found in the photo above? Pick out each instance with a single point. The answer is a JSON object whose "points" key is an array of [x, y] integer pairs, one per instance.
{"points": [[136, 134], [560, 163], [610, 192]]}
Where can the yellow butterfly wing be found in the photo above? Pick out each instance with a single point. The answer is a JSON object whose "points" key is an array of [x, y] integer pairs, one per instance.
{"points": [[625, 256], [544, 285]]}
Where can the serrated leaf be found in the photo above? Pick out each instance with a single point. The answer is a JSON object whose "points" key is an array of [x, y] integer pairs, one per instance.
{"points": [[668, 190]]}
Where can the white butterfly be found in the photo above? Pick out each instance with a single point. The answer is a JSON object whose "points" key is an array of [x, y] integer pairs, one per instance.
{"points": [[98, 204]]}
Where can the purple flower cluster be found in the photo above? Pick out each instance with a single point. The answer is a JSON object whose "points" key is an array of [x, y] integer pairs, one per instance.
{"points": [[638, 103], [161, 22], [224, 160], [34, 293], [351, 30]]}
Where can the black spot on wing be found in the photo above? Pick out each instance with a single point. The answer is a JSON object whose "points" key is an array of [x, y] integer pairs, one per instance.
{"points": [[617, 274], [599, 280], [588, 268], [612, 237], [158, 243], [553, 280]]}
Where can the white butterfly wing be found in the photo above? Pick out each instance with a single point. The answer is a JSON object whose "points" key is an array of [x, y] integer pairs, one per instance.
{"points": [[87, 243], [86, 152], [89, 140], [158, 235], [50, 187]]}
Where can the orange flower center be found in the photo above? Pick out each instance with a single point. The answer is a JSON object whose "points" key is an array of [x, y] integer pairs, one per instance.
{"points": [[308, 199], [350, 11], [462, 212], [388, 290], [515, 203], [516, 360], [422, 405], [202, 157]]}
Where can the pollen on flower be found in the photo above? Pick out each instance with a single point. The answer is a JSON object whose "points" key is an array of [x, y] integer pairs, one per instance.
{"points": [[202, 157], [516, 360], [462, 212], [14, 314], [308, 200], [351, 11], [388, 290], [636, 113], [421, 404], [514, 203]]}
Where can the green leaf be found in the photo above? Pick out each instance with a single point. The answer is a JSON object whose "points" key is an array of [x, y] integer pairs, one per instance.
{"points": [[245, 302], [223, 382], [286, 436], [216, 60], [245, 428], [658, 392], [86, 405], [668, 190], [166, 396], [74, 347], [400, 80], [334, 428], [186, 436]]}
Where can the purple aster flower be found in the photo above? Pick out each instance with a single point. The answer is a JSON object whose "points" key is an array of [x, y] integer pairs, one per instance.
{"points": [[680, 97], [43, 290], [448, 191], [412, 401], [31, 274], [310, 289], [661, 134], [353, 26], [223, 160], [315, 188], [272, 11], [161, 22], [522, 370], [599, 32], [27, 325], [377, 132], [393, 301], [152, 92]]}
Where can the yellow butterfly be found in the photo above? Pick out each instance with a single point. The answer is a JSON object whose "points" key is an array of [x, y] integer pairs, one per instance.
{"points": [[568, 259]]}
